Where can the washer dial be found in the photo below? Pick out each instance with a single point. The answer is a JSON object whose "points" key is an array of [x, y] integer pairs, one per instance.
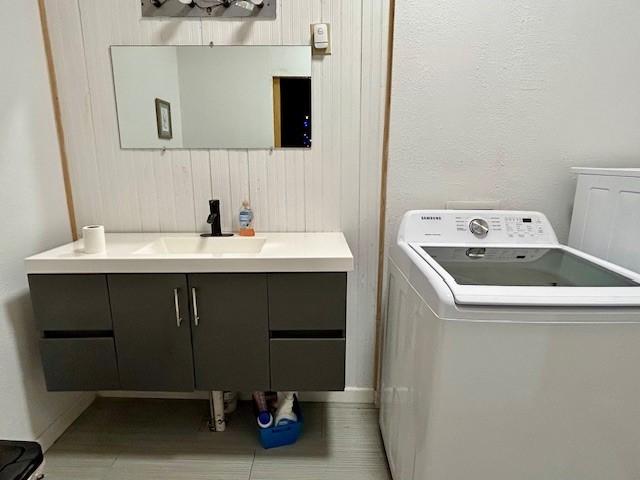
{"points": [[479, 227]]}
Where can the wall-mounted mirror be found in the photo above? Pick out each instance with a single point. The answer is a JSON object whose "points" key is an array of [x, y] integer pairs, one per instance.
{"points": [[179, 97]]}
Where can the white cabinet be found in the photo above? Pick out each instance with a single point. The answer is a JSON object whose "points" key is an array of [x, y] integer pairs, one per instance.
{"points": [[606, 215]]}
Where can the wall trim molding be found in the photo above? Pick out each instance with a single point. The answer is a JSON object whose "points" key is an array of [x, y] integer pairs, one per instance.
{"points": [[53, 84], [350, 395], [54, 431], [383, 201]]}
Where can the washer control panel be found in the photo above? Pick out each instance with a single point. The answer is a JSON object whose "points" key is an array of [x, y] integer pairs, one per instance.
{"points": [[476, 226], [524, 227]]}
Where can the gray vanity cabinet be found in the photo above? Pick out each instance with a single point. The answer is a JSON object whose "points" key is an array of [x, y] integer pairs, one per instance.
{"points": [[230, 329], [181, 331], [152, 331]]}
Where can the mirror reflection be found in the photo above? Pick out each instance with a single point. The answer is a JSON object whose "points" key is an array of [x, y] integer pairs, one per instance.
{"points": [[179, 97]]}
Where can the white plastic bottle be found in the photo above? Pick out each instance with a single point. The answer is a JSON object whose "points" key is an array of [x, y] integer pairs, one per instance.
{"points": [[285, 413], [246, 220]]}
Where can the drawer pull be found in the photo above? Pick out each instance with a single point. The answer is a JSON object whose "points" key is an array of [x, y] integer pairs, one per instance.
{"points": [[177, 304], [194, 298]]}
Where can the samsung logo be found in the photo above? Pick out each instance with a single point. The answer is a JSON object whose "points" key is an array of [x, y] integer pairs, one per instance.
{"points": [[431, 218]]}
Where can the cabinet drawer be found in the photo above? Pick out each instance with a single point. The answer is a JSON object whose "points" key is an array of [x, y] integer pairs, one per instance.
{"points": [[71, 302], [307, 301], [80, 364], [307, 364]]}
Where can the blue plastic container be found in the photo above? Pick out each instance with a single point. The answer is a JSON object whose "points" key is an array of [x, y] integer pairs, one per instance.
{"points": [[285, 434]]}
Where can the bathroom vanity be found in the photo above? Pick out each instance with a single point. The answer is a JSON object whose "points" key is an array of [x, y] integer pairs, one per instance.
{"points": [[176, 312]]}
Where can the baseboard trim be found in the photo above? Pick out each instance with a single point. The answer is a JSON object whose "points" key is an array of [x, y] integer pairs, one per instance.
{"points": [[64, 421], [350, 395]]}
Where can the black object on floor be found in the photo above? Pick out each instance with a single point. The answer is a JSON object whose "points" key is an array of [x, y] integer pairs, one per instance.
{"points": [[19, 460]]}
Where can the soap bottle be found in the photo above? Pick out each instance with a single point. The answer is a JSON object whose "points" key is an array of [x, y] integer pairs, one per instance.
{"points": [[246, 220]]}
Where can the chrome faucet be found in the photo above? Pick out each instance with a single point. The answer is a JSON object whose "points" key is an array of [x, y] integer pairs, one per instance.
{"points": [[214, 220]]}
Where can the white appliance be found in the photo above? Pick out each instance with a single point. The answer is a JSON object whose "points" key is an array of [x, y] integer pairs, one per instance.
{"points": [[606, 214], [507, 355]]}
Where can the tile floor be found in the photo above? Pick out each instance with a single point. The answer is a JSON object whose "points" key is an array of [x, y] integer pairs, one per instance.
{"points": [[129, 439]]}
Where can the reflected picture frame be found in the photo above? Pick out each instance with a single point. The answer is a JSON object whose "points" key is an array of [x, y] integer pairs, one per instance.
{"points": [[163, 119]]}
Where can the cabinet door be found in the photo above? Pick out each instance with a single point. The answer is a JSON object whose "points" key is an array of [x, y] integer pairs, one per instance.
{"points": [[152, 332], [231, 335]]}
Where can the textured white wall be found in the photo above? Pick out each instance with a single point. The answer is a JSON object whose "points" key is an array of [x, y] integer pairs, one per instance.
{"points": [[34, 217], [496, 100]]}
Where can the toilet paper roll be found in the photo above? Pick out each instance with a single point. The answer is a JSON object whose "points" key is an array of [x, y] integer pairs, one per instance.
{"points": [[94, 240]]}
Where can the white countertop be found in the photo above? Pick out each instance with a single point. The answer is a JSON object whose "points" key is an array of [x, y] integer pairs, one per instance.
{"points": [[282, 252]]}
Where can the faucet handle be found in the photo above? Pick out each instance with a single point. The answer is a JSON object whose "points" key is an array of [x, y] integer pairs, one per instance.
{"points": [[214, 209], [214, 220]]}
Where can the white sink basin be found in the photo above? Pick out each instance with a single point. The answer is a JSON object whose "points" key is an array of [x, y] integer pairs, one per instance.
{"points": [[203, 245]]}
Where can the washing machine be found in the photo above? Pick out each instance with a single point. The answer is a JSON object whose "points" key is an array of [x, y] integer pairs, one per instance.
{"points": [[507, 355]]}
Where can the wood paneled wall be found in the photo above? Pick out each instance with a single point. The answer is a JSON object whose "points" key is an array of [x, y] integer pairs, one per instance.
{"points": [[334, 186]]}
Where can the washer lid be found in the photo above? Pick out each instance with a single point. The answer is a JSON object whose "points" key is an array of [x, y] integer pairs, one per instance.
{"points": [[552, 275]]}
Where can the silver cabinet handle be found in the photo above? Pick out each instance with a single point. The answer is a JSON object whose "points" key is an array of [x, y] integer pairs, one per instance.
{"points": [[177, 304], [194, 298]]}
